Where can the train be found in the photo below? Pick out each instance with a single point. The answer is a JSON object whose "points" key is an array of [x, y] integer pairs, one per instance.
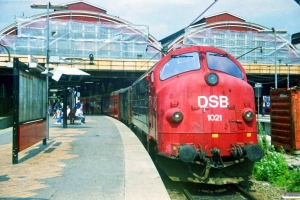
{"points": [[194, 112]]}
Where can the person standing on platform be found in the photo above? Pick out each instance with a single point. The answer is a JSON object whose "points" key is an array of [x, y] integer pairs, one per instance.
{"points": [[263, 107], [49, 110], [92, 107], [61, 117], [87, 107], [57, 109]]}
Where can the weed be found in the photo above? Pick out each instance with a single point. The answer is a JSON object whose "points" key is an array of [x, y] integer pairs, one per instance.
{"points": [[273, 167], [294, 185]]}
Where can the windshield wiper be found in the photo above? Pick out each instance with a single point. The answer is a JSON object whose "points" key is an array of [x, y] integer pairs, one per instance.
{"points": [[219, 54], [180, 56]]}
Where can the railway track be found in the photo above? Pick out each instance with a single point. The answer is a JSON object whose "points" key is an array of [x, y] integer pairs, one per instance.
{"points": [[198, 191], [220, 192]]}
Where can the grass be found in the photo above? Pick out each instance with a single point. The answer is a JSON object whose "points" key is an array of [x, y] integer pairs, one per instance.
{"points": [[273, 167]]}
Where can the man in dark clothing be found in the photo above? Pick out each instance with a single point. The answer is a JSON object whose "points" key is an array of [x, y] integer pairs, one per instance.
{"points": [[87, 107], [263, 111]]}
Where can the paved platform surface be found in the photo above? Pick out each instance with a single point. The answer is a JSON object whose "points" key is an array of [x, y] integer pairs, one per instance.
{"points": [[265, 118], [100, 160]]}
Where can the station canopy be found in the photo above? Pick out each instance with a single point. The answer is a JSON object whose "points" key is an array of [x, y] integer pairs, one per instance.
{"points": [[67, 74], [71, 38], [240, 42]]}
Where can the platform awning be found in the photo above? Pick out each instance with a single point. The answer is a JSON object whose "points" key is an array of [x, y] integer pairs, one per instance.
{"points": [[58, 72]]}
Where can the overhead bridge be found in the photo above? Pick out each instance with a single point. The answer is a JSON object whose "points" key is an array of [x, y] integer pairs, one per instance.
{"points": [[98, 64], [131, 65]]}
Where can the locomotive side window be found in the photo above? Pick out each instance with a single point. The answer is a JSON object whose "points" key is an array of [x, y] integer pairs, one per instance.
{"points": [[115, 103], [179, 64], [152, 77], [223, 63]]}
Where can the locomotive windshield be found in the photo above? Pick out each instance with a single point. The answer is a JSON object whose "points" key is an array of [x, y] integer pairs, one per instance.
{"points": [[223, 63], [179, 64]]}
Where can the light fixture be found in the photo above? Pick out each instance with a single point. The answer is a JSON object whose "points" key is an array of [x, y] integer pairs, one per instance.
{"points": [[174, 115], [91, 57], [212, 79], [248, 115]]}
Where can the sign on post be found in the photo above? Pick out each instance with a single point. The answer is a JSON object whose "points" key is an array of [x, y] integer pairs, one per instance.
{"points": [[30, 110], [258, 87]]}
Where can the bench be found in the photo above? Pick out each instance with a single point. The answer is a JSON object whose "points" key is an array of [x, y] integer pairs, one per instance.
{"points": [[72, 117]]}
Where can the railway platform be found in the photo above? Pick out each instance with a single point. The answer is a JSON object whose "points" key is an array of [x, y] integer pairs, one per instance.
{"points": [[100, 160], [265, 122]]}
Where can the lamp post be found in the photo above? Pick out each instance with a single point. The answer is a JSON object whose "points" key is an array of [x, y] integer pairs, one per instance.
{"points": [[48, 6], [258, 87], [274, 31], [288, 76]]}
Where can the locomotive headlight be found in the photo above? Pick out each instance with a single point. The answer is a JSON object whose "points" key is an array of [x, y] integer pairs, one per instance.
{"points": [[212, 79], [177, 116], [248, 115], [174, 115]]}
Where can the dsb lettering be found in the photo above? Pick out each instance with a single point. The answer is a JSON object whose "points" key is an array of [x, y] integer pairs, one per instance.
{"points": [[213, 101]]}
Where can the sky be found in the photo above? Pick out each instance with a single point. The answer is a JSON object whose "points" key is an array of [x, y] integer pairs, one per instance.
{"points": [[164, 17]]}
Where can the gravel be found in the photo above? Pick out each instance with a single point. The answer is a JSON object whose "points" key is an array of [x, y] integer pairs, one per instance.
{"points": [[262, 190]]}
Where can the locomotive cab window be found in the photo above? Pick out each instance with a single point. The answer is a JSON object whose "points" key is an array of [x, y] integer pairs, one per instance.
{"points": [[179, 64], [221, 62], [115, 103]]}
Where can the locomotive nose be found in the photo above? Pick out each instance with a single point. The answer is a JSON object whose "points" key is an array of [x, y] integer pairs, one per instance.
{"points": [[187, 153]]}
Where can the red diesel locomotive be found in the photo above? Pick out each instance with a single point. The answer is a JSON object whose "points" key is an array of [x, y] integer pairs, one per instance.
{"points": [[195, 113]]}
